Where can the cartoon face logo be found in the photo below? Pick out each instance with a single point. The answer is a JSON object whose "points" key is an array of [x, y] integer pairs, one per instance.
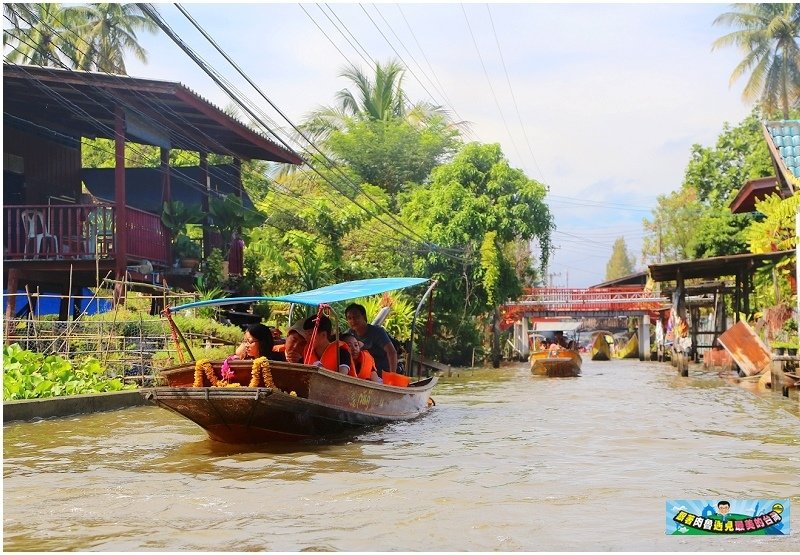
{"points": [[778, 508]]}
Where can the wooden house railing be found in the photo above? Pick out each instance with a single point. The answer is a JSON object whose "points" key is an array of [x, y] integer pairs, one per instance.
{"points": [[147, 237], [80, 232]]}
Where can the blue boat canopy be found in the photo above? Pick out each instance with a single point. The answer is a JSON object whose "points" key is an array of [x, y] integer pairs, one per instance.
{"points": [[328, 294]]}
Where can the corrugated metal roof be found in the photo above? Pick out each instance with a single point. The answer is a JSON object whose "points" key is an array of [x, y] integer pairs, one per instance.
{"points": [[83, 104]]}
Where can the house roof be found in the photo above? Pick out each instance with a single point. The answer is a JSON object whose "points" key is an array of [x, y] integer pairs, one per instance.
{"points": [[636, 278], [163, 113], [753, 190], [711, 268], [783, 141]]}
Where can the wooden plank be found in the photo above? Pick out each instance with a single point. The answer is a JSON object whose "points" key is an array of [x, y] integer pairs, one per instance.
{"points": [[746, 348]]}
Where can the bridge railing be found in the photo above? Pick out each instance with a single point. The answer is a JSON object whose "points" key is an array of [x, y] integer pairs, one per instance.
{"points": [[598, 299]]}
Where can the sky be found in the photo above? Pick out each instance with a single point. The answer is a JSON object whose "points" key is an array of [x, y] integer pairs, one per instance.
{"points": [[600, 102]]}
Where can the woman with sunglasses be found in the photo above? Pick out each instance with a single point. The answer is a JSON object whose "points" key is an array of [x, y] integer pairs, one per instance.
{"points": [[257, 342]]}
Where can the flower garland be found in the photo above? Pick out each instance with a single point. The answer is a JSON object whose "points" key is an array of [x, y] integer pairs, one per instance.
{"points": [[203, 367], [261, 373]]}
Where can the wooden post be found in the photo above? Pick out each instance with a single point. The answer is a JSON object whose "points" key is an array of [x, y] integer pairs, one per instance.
{"points": [[205, 201], [166, 183], [11, 307], [121, 224]]}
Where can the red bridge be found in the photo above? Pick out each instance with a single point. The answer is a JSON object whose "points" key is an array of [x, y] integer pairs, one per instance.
{"points": [[597, 302]]}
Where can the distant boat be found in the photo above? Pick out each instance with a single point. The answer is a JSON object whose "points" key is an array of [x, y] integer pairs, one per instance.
{"points": [[630, 349], [601, 345], [560, 363]]}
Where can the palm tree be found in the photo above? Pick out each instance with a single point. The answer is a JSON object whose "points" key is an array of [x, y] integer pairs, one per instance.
{"points": [[38, 32], [107, 32], [381, 99], [768, 36]]}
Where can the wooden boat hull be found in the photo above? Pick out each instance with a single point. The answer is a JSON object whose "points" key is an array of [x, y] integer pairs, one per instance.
{"points": [[303, 402], [565, 364], [601, 349]]}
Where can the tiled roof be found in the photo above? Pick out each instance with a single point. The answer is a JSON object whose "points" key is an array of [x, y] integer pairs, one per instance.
{"points": [[785, 136]]}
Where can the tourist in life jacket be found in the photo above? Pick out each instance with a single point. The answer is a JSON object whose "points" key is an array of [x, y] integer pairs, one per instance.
{"points": [[325, 350], [374, 338], [362, 361]]}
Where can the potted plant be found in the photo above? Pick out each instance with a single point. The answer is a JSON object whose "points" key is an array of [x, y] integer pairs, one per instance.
{"points": [[176, 216], [187, 251]]}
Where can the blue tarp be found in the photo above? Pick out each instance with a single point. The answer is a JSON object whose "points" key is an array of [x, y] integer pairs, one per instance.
{"points": [[50, 305], [329, 294]]}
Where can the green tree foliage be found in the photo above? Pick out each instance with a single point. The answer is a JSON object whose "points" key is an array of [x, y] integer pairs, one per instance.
{"points": [[695, 221], [382, 137], [392, 154], [777, 230], [38, 34], [740, 154], [474, 210], [88, 37], [107, 32], [767, 36], [670, 231], [621, 262]]}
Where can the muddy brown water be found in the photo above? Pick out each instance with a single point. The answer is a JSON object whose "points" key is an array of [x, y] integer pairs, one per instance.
{"points": [[505, 462]]}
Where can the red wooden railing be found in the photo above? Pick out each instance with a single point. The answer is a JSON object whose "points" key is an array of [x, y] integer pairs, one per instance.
{"points": [[79, 232], [147, 237], [618, 299]]}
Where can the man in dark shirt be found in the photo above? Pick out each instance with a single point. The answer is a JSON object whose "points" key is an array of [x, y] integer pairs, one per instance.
{"points": [[374, 338]]}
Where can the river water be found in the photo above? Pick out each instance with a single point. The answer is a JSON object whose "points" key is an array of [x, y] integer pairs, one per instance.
{"points": [[506, 461]]}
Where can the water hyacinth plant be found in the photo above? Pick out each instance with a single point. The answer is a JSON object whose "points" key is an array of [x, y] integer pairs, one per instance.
{"points": [[29, 375]]}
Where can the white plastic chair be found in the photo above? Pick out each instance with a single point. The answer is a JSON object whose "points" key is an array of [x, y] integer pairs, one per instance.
{"points": [[36, 231]]}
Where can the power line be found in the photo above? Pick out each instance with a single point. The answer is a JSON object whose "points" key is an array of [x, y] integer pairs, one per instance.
{"points": [[513, 97], [489, 81]]}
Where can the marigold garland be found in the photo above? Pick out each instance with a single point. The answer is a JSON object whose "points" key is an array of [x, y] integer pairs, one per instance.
{"points": [[204, 367], [261, 373]]}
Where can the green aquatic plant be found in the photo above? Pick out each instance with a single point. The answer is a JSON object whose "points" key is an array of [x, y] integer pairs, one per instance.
{"points": [[29, 375]]}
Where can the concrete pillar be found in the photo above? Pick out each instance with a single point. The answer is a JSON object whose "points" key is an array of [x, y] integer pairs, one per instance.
{"points": [[525, 345], [644, 337]]}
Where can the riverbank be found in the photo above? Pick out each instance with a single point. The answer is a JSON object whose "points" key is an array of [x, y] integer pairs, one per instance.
{"points": [[58, 407]]}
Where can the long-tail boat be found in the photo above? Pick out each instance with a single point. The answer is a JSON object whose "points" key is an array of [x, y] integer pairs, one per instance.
{"points": [[600, 347], [257, 401], [630, 349], [556, 363]]}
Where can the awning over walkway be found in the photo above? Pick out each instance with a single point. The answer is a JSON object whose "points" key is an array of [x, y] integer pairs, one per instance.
{"points": [[710, 268]]}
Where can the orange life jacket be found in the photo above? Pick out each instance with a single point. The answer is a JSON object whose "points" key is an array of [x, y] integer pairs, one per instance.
{"points": [[367, 365], [329, 357]]}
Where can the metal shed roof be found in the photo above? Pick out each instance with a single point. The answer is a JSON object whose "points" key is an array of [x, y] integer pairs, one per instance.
{"points": [[715, 267]]}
